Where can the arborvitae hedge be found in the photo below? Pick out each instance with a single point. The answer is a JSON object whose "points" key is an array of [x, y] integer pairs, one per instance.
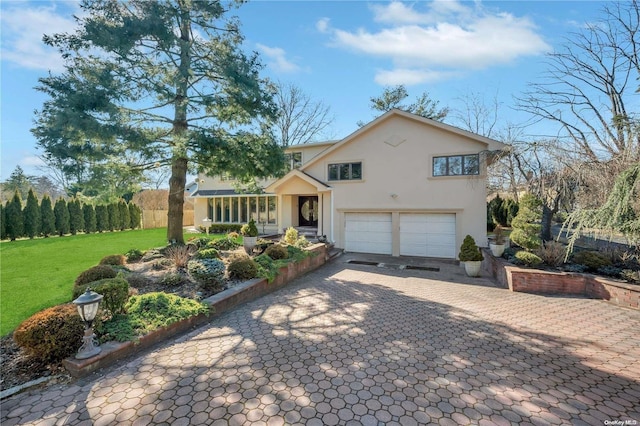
{"points": [[89, 214], [114, 216], [15, 221], [61, 213], [135, 215], [102, 218], [125, 220], [48, 219], [31, 215], [3, 221]]}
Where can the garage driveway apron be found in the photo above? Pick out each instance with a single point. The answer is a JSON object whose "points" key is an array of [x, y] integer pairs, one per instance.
{"points": [[358, 344]]}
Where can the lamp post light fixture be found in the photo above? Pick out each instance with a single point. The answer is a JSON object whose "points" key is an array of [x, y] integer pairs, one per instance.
{"points": [[88, 304], [206, 221]]}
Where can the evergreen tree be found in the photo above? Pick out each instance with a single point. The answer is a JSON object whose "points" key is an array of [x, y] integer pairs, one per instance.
{"points": [[125, 218], [3, 221], [89, 214], [15, 221], [32, 217], [76, 218], [61, 212], [48, 219], [102, 218], [135, 215], [526, 225], [114, 216]]}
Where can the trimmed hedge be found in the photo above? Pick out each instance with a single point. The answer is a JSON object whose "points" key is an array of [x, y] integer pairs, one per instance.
{"points": [[95, 273]]}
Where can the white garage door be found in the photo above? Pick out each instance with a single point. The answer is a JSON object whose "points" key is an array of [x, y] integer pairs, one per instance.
{"points": [[368, 232], [429, 235]]}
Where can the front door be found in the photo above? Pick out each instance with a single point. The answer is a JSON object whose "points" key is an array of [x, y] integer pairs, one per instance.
{"points": [[308, 211]]}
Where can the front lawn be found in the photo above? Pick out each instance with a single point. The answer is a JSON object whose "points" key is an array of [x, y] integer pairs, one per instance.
{"points": [[37, 274]]}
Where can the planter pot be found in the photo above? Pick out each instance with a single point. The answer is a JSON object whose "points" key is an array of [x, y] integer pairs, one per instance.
{"points": [[497, 249], [472, 268], [249, 243]]}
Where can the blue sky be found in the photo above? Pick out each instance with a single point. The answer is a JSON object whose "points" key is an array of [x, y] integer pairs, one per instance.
{"points": [[339, 52]]}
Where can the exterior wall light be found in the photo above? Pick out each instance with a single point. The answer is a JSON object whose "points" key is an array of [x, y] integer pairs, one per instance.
{"points": [[88, 304]]}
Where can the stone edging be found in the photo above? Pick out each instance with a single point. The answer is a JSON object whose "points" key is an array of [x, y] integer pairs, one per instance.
{"points": [[221, 302], [538, 281]]}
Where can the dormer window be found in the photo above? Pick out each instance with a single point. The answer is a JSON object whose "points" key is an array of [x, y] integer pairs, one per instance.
{"points": [[456, 165]]}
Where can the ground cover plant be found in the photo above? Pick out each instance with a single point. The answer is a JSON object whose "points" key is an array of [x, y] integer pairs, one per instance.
{"points": [[37, 274]]}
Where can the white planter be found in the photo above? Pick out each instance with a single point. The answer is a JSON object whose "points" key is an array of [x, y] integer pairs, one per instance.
{"points": [[497, 249], [249, 243], [472, 268]]}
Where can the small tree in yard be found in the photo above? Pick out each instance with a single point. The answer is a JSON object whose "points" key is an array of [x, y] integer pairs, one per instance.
{"points": [[15, 221], [48, 219], [61, 213], [526, 225], [125, 217], [89, 214], [31, 216], [76, 218]]}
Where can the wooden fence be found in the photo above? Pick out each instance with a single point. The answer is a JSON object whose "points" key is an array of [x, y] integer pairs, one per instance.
{"points": [[158, 218]]}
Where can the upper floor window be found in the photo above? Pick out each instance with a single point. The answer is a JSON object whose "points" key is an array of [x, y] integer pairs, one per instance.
{"points": [[293, 160], [456, 165], [345, 171]]}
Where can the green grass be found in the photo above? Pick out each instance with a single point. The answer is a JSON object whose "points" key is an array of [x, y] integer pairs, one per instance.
{"points": [[37, 274]]}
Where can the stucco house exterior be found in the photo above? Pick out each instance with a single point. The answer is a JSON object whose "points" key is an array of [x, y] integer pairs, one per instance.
{"points": [[402, 185]]}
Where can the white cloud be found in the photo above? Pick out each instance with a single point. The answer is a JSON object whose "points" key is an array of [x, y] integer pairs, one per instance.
{"points": [[409, 77], [448, 38], [32, 161], [276, 59], [322, 25], [22, 31]]}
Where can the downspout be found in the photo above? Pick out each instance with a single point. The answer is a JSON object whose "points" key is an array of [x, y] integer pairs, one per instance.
{"points": [[333, 241]]}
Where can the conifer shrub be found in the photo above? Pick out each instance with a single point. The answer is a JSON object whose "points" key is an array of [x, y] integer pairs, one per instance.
{"points": [[207, 253], [199, 242], [115, 292], [102, 218], [95, 273], [134, 255], [52, 334], [223, 244], [113, 260], [593, 260], [76, 218], [32, 217], [48, 219], [61, 213], [526, 225], [469, 251], [173, 279], [242, 267], [528, 258], [89, 214], [3, 221], [14, 226], [209, 273], [276, 252]]}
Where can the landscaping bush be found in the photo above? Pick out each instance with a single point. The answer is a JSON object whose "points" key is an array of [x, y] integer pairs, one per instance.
{"points": [[262, 244], [552, 253], [199, 242], [51, 335], [94, 273], [179, 254], [220, 228], [242, 268], [161, 264], [209, 273], [172, 279], [267, 267], [277, 251], [574, 268], [113, 260], [115, 292], [630, 275], [150, 255], [134, 255], [207, 253], [528, 258], [610, 271], [223, 244], [290, 236], [469, 251], [526, 225], [593, 260]]}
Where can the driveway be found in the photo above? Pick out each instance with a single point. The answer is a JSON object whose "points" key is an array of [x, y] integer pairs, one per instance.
{"points": [[363, 344]]}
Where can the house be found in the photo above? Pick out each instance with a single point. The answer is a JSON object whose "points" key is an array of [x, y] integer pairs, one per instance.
{"points": [[401, 185]]}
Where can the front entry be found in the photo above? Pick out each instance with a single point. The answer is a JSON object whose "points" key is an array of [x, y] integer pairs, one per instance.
{"points": [[308, 211]]}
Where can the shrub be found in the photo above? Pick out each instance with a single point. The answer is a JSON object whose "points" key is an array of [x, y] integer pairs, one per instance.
{"points": [[552, 253], [630, 275], [172, 279], [115, 292], [296, 254], [161, 264], [267, 267], [207, 272], [179, 254], [250, 229], [302, 242], [113, 260], [199, 242], [574, 267], [262, 244], [152, 254], [223, 244], [233, 235], [51, 335], [469, 251], [134, 255], [137, 280], [208, 253], [528, 258], [526, 225], [610, 271], [221, 228], [95, 273], [291, 236], [277, 251], [593, 260], [242, 268]]}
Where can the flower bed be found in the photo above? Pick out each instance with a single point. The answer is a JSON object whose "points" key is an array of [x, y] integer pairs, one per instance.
{"points": [[527, 280]]}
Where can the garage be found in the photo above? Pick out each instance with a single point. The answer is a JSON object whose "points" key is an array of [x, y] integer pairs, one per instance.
{"points": [[428, 235], [368, 233]]}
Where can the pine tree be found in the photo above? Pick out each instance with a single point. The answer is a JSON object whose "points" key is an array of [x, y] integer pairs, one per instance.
{"points": [[61, 212], [48, 219], [134, 215], [89, 214], [114, 216], [102, 218], [76, 218], [125, 218], [15, 222], [3, 221], [526, 225], [32, 217]]}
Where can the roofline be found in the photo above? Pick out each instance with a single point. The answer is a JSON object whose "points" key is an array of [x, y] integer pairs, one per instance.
{"points": [[301, 175]]}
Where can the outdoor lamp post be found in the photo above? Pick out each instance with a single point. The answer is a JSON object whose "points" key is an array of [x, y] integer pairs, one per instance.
{"points": [[206, 221], [88, 308]]}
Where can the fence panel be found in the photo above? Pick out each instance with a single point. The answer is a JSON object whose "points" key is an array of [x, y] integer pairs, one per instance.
{"points": [[158, 218]]}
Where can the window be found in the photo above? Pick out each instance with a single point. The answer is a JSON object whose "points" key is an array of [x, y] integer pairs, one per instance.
{"points": [[293, 160], [345, 171], [456, 165], [239, 209]]}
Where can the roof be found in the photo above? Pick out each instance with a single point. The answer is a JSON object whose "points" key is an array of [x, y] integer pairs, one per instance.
{"points": [[214, 192], [491, 144], [296, 173]]}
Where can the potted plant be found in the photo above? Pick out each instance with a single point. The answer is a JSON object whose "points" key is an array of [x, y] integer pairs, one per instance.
{"points": [[249, 233], [497, 244], [471, 255]]}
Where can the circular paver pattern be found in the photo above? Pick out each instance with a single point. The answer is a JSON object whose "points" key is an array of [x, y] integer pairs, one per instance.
{"points": [[352, 344]]}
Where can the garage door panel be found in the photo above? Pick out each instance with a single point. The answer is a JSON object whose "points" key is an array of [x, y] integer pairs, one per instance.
{"points": [[425, 234], [368, 232]]}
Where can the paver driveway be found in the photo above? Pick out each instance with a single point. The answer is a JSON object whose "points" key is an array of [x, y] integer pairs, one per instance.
{"points": [[352, 344]]}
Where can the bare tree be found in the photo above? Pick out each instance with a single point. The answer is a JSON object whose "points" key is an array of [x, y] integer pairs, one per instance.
{"points": [[477, 115], [301, 120]]}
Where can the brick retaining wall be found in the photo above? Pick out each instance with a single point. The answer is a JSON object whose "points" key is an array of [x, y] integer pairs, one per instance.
{"points": [[528, 280]]}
